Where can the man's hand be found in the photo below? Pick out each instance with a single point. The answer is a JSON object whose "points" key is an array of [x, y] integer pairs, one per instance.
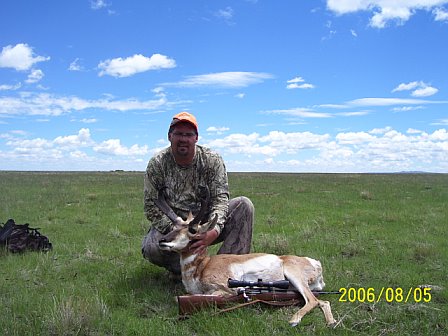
{"points": [[203, 240]]}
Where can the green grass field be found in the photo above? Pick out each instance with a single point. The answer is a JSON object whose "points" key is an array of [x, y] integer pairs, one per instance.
{"points": [[369, 231]]}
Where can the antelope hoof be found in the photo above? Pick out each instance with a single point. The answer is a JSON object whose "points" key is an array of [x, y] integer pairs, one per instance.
{"points": [[333, 324], [294, 323]]}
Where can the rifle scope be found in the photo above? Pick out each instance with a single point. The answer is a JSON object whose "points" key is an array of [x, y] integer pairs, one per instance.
{"points": [[281, 284]]}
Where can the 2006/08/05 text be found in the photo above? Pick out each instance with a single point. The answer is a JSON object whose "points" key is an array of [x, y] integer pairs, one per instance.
{"points": [[388, 294]]}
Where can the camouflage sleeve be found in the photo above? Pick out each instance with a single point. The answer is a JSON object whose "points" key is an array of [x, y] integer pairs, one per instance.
{"points": [[153, 180], [219, 190]]}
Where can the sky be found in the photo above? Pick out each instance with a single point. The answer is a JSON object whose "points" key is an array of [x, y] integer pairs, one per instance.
{"points": [[276, 86]]}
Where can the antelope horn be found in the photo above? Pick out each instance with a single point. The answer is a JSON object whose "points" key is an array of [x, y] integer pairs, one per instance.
{"points": [[205, 200], [164, 207]]}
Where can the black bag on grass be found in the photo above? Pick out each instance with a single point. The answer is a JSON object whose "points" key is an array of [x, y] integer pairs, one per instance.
{"points": [[20, 237]]}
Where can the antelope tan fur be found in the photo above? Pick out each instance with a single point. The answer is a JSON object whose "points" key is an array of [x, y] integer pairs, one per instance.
{"points": [[203, 274]]}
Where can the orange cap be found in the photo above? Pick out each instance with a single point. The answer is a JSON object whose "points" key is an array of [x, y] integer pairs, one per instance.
{"points": [[185, 117]]}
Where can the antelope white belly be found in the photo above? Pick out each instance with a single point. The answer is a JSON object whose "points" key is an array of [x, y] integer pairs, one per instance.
{"points": [[267, 267]]}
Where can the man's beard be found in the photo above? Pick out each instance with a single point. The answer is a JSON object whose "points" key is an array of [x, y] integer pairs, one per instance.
{"points": [[183, 149]]}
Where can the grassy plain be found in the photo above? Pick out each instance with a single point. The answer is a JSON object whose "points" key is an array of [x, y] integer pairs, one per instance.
{"points": [[369, 231]]}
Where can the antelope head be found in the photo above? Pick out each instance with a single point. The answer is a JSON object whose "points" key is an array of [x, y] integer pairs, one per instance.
{"points": [[185, 231]]}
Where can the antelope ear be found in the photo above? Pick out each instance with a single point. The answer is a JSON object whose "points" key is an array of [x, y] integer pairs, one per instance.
{"points": [[209, 225], [192, 229]]}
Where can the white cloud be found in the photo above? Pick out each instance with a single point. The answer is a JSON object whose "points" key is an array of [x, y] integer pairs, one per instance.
{"points": [[296, 80], [300, 112], [237, 143], [420, 89], [300, 86], [406, 86], [226, 14], [443, 122], [440, 14], [413, 131], [292, 142], [98, 4], [52, 105], [159, 90], [407, 108], [101, 4], [386, 14], [385, 11], [217, 130], [114, 147], [5, 87], [35, 76], [78, 155], [353, 138], [346, 6], [380, 130], [224, 79], [82, 139], [352, 114], [28, 145], [273, 144], [379, 150], [439, 135], [425, 92], [130, 104], [20, 57], [294, 84], [119, 67], [75, 66], [388, 102], [69, 152], [89, 120]]}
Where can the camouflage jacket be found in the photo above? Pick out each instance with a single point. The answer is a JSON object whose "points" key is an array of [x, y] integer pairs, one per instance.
{"points": [[182, 186]]}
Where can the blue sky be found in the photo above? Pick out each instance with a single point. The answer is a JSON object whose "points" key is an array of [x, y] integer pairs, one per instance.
{"points": [[289, 86]]}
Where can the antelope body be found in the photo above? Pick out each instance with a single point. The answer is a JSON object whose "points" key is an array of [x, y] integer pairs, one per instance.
{"points": [[203, 274]]}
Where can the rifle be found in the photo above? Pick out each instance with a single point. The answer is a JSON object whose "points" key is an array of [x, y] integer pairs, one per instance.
{"points": [[272, 293]]}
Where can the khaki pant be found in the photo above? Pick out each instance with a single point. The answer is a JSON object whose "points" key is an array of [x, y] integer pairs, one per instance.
{"points": [[236, 237]]}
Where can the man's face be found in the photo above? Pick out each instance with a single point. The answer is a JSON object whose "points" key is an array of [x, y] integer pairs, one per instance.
{"points": [[183, 139]]}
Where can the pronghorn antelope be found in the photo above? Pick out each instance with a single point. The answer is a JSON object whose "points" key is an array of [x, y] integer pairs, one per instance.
{"points": [[203, 274]]}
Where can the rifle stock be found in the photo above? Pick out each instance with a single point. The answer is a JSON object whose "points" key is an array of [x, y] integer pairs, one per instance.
{"points": [[189, 304]]}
